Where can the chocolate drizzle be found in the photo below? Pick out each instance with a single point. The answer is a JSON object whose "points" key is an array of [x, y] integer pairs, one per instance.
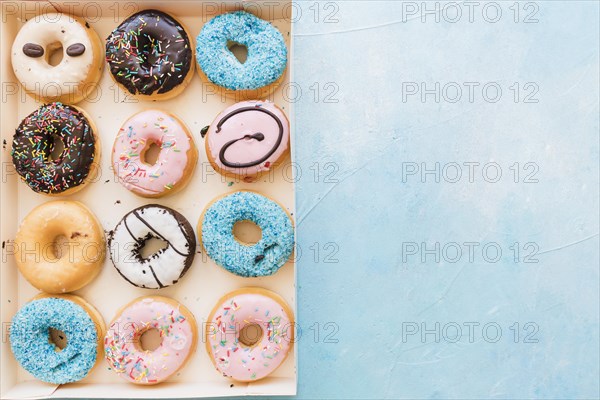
{"points": [[150, 52], [256, 136], [152, 231], [34, 141], [204, 131]]}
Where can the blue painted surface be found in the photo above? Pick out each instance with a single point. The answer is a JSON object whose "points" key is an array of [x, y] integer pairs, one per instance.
{"points": [[374, 215]]}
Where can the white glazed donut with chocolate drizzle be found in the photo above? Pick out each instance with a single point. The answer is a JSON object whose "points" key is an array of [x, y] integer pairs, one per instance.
{"points": [[77, 74], [165, 267], [247, 139]]}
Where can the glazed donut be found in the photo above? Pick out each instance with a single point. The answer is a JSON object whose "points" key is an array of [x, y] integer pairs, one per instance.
{"points": [[30, 338], [36, 241], [178, 333], [243, 354], [176, 160], [247, 139], [79, 71], [150, 55], [163, 268], [262, 71], [261, 259], [35, 140]]}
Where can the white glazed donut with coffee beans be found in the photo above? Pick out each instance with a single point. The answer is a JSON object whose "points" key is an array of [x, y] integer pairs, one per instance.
{"points": [[77, 74]]}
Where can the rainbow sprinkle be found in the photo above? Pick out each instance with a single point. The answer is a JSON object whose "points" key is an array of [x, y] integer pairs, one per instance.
{"points": [[35, 140]]}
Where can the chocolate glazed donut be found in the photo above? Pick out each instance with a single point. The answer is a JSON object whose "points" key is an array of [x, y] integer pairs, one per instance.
{"points": [[150, 52], [35, 139]]}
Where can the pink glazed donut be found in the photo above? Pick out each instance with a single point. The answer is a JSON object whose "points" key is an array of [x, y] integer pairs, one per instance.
{"points": [[176, 160], [249, 333], [247, 139], [176, 326]]}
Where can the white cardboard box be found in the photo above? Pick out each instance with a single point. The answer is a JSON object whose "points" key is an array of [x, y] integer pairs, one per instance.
{"points": [[205, 282]]}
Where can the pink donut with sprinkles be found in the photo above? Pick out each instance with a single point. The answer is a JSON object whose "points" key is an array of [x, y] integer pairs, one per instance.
{"points": [[249, 334], [176, 160], [124, 350]]}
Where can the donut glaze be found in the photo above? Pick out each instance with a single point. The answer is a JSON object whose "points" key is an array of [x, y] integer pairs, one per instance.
{"points": [[75, 267], [35, 139], [34, 352], [231, 357], [248, 138], [176, 160], [267, 53], [265, 257], [178, 332], [168, 265], [149, 53], [78, 72]]}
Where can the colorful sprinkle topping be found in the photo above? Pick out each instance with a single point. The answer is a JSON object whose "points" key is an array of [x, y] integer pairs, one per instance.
{"points": [[36, 138], [150, 52]]}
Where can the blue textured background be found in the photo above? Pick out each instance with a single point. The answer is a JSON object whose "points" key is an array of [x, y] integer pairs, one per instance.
{"points": [[370, 211]]}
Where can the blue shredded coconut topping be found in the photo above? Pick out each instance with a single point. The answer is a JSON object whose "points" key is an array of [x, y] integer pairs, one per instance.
{"points": [[262, 259], [29, 340], [267, 54]]}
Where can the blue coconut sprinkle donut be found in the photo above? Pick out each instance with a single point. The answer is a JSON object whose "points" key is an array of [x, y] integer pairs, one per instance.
{"points": [[261, 259], [31, 347], [267, 54]]}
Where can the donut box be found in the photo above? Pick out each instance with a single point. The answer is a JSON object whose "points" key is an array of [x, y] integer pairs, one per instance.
{"points": [[205, 282]]}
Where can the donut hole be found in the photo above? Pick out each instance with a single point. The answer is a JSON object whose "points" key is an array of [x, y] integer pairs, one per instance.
{"points": [[150, 153], [150, 340], [153, 55], [57, 338], [55, 53], [239, 50], [247, 232], [57, 147], [59, 246], [152, 246], [250, 334]]}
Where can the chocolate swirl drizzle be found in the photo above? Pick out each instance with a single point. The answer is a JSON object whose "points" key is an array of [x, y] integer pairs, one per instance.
{"points": [[185, 248], [35, 139], [256, 136], [150, 52]]}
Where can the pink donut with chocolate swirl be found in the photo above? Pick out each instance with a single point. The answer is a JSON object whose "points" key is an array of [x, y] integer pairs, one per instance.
{"points": [[247, 139]]}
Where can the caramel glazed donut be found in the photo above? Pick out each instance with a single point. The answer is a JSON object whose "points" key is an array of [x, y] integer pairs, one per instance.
{"points": [[80, 69], [36, 239]]}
